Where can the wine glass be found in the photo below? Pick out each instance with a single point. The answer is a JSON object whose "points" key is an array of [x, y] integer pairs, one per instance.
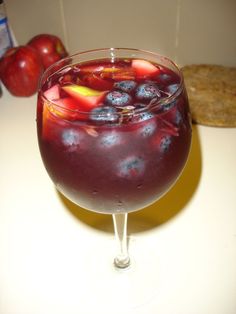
{"points": [[114, 131]]}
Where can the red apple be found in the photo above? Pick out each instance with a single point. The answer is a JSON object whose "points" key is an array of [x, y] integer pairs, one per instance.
{"points": [[20, 70], [50, 48]]}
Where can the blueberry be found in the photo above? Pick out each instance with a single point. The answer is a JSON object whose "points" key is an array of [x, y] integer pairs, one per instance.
{"points": [[164, 77], [169, 105], [165, 143], [70, 137], [109, 139], [103, 114], [118, 98], [126, 86], [148, 129], [178, 117], [147, 91], [131, 167], [173, 88], [145, 116]]}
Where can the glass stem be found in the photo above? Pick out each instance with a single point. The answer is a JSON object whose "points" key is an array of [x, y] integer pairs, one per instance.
{"points": [[122, 259]]}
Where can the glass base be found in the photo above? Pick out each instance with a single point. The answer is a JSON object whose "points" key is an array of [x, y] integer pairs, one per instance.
{"points": [[130, 286], [121, 263]]}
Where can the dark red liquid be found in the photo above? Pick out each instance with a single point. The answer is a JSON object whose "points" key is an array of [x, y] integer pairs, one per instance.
{"points": [[123, 162]]}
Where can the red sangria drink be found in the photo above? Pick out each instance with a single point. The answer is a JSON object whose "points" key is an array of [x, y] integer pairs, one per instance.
{"points": [[114, 130]]}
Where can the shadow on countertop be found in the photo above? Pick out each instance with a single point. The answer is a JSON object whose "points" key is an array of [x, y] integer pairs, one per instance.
{"points": [[160, 212]]}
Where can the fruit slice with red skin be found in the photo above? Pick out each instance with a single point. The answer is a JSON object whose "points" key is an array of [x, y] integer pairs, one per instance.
{"points": [[56, 112], [126, 74], [65, 79], [106, 67], [48, 123], [87, 98], [67, 108], [53, 92], [119, 74], [108, 71], [96, 82], [91, 68], [144, 68]]}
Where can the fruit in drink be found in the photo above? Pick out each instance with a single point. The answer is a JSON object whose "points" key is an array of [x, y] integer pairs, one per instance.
{"points": [[114, 135]]}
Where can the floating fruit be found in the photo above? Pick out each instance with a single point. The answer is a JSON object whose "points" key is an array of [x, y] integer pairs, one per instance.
{"points": [[87, 98], [66, 108], [147, 91], [119, 74], [53, 92], [125, 86], [131, 167], [104, 114], [144, 68], [95, 81], [118, 98]]}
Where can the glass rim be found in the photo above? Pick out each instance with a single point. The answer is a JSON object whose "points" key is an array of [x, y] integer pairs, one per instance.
{"points": [[127, 110]]}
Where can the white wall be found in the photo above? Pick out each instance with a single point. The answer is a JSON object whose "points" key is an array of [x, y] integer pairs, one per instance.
{"points": [[189, 31]]}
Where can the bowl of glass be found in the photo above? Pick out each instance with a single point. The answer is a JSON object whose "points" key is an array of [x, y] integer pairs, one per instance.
{"points": [[114, 131]]}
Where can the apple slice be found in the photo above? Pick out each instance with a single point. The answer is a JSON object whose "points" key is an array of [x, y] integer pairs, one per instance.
{"points": [[87, 98], [61, 109], [118, 73], [48, 121], [125, 74], [106, 67], [144, 68], [96, 82], [53, 92], [67, 108], [91, 68]]}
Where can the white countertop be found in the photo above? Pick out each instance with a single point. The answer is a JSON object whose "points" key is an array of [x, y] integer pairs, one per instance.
{"points": [[56, 258]]}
